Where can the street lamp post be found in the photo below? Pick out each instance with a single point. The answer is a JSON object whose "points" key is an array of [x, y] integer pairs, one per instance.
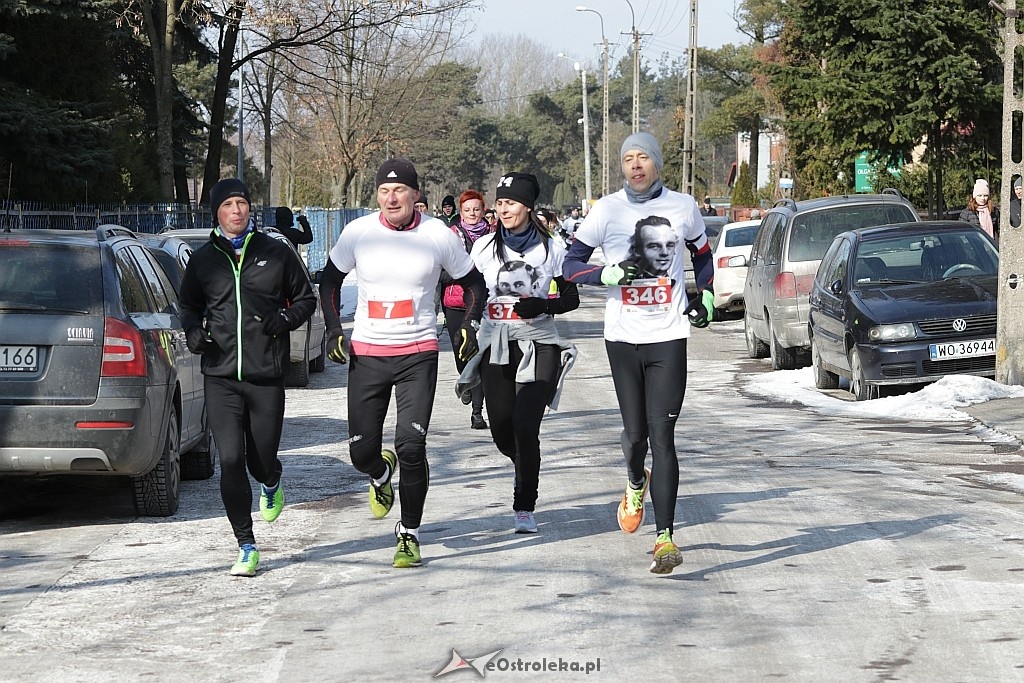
{"points": [[586, 130], [604, 109], [636, 70]]}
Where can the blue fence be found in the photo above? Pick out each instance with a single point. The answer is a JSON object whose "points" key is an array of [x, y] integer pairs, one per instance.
{"points": [[153, 218]]}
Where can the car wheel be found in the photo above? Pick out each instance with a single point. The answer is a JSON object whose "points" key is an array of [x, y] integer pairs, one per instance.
{"points": [[298, 372], [859, 387], [782, 358], [755, 347], [319, 363], [156, 493], [200, 462], [823, 379]]}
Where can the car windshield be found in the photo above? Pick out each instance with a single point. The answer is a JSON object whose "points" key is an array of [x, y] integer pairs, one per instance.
{"points": [[50, 277], [814, 231], [925, 258]]}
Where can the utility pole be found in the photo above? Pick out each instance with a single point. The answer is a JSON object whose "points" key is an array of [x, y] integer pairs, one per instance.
{"points": [[1010, 286], [636, 70], [690, 109], [586, 135]]}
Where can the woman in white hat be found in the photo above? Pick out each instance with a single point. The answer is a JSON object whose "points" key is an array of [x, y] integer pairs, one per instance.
{"points": [[980, 211]]}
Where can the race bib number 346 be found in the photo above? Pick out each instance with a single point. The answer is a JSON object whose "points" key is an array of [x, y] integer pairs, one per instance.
{"points": [[653, 295]]}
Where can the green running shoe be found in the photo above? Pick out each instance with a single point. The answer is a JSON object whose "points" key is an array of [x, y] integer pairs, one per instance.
{"points": [[271, 504], [247, 562], [407, 554], [383, 497], [666, 555]]}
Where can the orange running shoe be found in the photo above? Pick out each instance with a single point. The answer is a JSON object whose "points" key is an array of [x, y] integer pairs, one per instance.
{"points": [[631, 509], [666, 554]]}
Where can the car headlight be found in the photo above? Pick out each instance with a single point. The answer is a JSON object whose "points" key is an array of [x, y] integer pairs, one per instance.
{"points": [[892, 332]]}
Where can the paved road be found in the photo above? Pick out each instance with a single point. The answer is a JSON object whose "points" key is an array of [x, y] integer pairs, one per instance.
{"points": [[815, 548]]}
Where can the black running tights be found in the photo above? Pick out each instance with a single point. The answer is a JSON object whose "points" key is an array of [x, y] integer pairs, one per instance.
{"points": [[246, 419], [370, 382], [650, 381]]}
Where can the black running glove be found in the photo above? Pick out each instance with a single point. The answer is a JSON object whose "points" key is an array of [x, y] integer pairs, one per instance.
{"points": [[336, 346], [468, 345], [530, 307], [277, 323], [198, 340], [701, 310]]}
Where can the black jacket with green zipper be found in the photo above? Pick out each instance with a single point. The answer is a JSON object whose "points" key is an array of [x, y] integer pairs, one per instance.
{"points": [[233, 295]]}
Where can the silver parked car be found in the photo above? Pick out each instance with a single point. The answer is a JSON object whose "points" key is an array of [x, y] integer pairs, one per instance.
{"points": [[95, 377], [308, 347], [789, 246]]}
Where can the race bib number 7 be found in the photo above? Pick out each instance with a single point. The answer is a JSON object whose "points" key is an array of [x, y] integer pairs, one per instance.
{"points": [[390, 313], [390, 310]]}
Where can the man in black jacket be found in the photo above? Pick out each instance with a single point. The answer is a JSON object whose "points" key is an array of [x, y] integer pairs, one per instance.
{"points": [[242, 293]]}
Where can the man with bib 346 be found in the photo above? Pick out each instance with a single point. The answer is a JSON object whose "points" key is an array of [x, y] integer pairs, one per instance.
{"points": [[642, 230]]}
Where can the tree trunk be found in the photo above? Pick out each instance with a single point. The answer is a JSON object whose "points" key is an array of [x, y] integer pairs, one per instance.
{"points": [[754, 159], [218, 107]]}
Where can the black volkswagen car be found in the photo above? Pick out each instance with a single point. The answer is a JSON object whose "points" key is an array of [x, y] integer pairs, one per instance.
{"points": [[906, 303]]}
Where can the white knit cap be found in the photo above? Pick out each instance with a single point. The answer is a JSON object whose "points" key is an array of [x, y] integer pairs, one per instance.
{"points": [[980, 188]]}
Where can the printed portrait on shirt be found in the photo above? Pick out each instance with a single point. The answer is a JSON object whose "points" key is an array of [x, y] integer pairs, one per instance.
{"points": [[517, 278], [654, 245]]}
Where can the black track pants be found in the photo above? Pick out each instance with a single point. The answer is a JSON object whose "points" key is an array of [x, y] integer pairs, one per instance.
{"points": [[453, 318], [246, 420], [650, 382], [515, 411], [370, 381]]}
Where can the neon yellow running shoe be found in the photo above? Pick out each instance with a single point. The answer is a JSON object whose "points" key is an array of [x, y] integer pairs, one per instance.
{"points": [[407, 554], [631, 507], [383, 497], [272, 504], [666, 555], [247, 562]]}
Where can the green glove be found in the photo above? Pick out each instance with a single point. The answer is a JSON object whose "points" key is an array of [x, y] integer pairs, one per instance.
{"points": [[621, 274], [701, 310], [336, 346]]}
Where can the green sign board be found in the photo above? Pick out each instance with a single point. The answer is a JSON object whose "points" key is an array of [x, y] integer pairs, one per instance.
{"points": [[861, 170]]}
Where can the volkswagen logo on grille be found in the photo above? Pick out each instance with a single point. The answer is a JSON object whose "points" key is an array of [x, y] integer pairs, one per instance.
{"points": [[959, 325]]}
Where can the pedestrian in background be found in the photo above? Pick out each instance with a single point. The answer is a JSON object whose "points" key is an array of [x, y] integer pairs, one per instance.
{"points": [[1018, 192], [647, 322], [449, 211], [399, 253], [980, 211], [284, 221], [242, 293], [422, 205], [708, 209], [470, 227], [522, 359]]}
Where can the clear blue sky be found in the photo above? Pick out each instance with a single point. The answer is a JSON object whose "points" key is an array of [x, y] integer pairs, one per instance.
{"points": [[558, 24]]}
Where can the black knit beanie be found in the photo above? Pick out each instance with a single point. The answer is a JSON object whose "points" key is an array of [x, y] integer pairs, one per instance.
{"points": [[223, 190], [520, 187]]}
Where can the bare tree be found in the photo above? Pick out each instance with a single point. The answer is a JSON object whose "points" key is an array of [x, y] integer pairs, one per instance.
{"points": [[520, 67]]}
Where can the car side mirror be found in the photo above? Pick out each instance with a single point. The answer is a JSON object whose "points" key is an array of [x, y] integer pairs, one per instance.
{"points": [[836, 287], [737, 261]]}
